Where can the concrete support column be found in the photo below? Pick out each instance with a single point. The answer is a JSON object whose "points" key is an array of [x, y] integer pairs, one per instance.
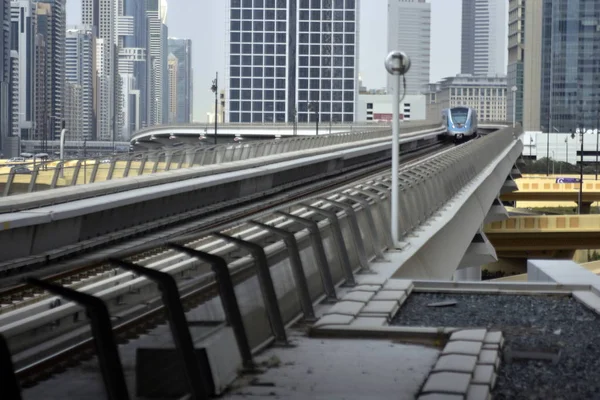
{"points": [[468, 274]]}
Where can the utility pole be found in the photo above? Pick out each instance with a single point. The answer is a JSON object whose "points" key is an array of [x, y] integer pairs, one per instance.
{"points": [[215, 89]]}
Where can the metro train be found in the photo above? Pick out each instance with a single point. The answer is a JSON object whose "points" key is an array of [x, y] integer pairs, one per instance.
{"points": [[460, 122]]}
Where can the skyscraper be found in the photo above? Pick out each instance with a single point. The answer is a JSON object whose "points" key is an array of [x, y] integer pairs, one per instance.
{"points": [[272, 41], [23, 30], [156, 61], [101, 16], [42, 107], [516, 56], [182, 50], [51, 24], [570, 33], [136, 47], [5, 118], [79, 80], [409, 30], [172, 76], [483, 37]]}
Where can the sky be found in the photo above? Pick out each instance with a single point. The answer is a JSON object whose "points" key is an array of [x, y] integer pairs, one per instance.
{"points": [[204, 21]]}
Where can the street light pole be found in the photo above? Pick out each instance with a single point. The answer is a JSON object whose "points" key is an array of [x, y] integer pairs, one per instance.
{"points": [[215, 89], [514, 108], [580, 131], [397, 64], [597, 131]]}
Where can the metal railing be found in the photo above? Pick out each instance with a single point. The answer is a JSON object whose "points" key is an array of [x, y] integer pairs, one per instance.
{"points": [[39, 176]]}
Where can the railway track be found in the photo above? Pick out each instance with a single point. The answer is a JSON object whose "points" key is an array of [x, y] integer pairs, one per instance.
{"points": [[192, 293], [77, 272]]}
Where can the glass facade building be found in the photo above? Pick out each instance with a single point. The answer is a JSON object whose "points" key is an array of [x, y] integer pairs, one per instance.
{"points": [[570, 81], [295, 57]]}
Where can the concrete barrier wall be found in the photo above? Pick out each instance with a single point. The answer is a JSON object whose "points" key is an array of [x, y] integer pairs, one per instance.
{"points": [[45, 231]]}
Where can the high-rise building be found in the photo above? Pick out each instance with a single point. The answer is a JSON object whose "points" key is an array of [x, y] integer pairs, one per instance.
{"points": [[23, 28], [483, 37], [156, 61], [42, 107], [101, 16], [288, 58], [5, 117], [172, 77], [409, 30], [516, 56], [561, 83], [79, 79], [486, 94], [14, 93], [51, 24], [135, 51], [182, 50]]}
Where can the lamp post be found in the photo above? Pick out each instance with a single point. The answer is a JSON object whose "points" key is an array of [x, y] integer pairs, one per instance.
{"points": [[314, 106], [397, 64], [215, 89], [581, 132], [553, 156], [597, 131], [514, 108]]}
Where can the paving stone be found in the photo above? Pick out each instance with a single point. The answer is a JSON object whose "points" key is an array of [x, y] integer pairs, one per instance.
{"points": [[470, 335], [370, 280], [362, 297], [365, 288], [335, 319], [448, 383], [368, 322], [487, 346], [489, 357], [440, 396], [346, 308], [463, 347], [382, 308], [399, 284], [484, 375], [455, 363], [494, 338], [478, 392], [398, 295]]}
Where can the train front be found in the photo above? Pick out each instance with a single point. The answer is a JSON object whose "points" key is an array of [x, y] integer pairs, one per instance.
{"points": [[459, 123]]}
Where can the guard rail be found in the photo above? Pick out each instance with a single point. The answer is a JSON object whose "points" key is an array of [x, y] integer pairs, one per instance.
{"points": [[47, 175]]}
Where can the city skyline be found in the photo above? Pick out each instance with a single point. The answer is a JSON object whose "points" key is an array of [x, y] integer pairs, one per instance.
{"points": [[186, 16]]}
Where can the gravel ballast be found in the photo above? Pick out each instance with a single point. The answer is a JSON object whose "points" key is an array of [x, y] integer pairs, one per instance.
{"points": [[529, 323]]}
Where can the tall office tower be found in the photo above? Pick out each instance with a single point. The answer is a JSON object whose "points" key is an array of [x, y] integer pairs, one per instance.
{"points": [[484, 37], [164, 41], [182, 50], [516, 55], [14, 93], [23, 28], [135, 52], [561, 83], [52, 20], [409, 30], [292, 57], [129, 115], [172, 77], [101, 16], [42, 107], [5, 116], [156, 66], [80, 74]]}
